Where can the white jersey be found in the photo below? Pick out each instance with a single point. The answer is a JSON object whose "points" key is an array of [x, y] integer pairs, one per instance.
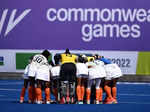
{"points": [[100, 68], [55, 71], [112, 71], [82, 70], [39, 60], [26, 71], [43, 72], [38, 64], [96, 69]]}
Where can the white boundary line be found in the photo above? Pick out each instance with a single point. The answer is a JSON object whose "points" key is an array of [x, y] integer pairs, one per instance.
{"points": [[146, 95], [134, 83], [4, 89]]}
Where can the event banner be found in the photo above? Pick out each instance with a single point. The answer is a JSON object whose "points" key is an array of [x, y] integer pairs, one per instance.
{"points": [[76, 24], [127, 61]]}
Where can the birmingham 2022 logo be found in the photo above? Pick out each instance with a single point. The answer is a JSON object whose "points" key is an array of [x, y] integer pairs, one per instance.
{"points": [[13, 20]]}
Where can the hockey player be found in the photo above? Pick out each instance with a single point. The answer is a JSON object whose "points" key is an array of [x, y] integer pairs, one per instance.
{"points": [[113, 73], [82, 75], [96, 73], [39, 69], [26, 81], [68, 76], [55, 75]]}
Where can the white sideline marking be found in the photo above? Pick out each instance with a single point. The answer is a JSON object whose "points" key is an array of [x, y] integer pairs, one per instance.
{"points": [[4, 89], [134, 83], [134, 94]]}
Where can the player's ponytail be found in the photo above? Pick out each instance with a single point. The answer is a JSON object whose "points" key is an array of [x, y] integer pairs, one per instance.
{"points": [[46, 53]]}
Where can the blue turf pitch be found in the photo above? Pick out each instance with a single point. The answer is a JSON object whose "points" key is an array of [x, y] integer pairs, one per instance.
{"points": [[131, 98]]}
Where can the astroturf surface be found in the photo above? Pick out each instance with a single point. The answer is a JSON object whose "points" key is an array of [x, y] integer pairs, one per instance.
{"points": [[132, 97]]}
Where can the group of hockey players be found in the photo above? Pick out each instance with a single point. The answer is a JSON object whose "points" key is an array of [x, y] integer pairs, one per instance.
{"points": [[72, 79]]}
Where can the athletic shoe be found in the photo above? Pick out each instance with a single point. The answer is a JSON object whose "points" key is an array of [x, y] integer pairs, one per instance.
{"points": [[96, 102], [100, 102], [72, 100], [115, 101], [88, 101], [21, 101], [48, 102], [80, 102], [62, 100], [38, 102], [109, 101], [29, 101]]}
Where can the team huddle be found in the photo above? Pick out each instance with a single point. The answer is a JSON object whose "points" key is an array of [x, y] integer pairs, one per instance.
{"points": [[72, 79]]}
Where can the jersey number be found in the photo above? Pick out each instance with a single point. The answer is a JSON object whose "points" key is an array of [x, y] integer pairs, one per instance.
{"points": [[39, 59]]}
